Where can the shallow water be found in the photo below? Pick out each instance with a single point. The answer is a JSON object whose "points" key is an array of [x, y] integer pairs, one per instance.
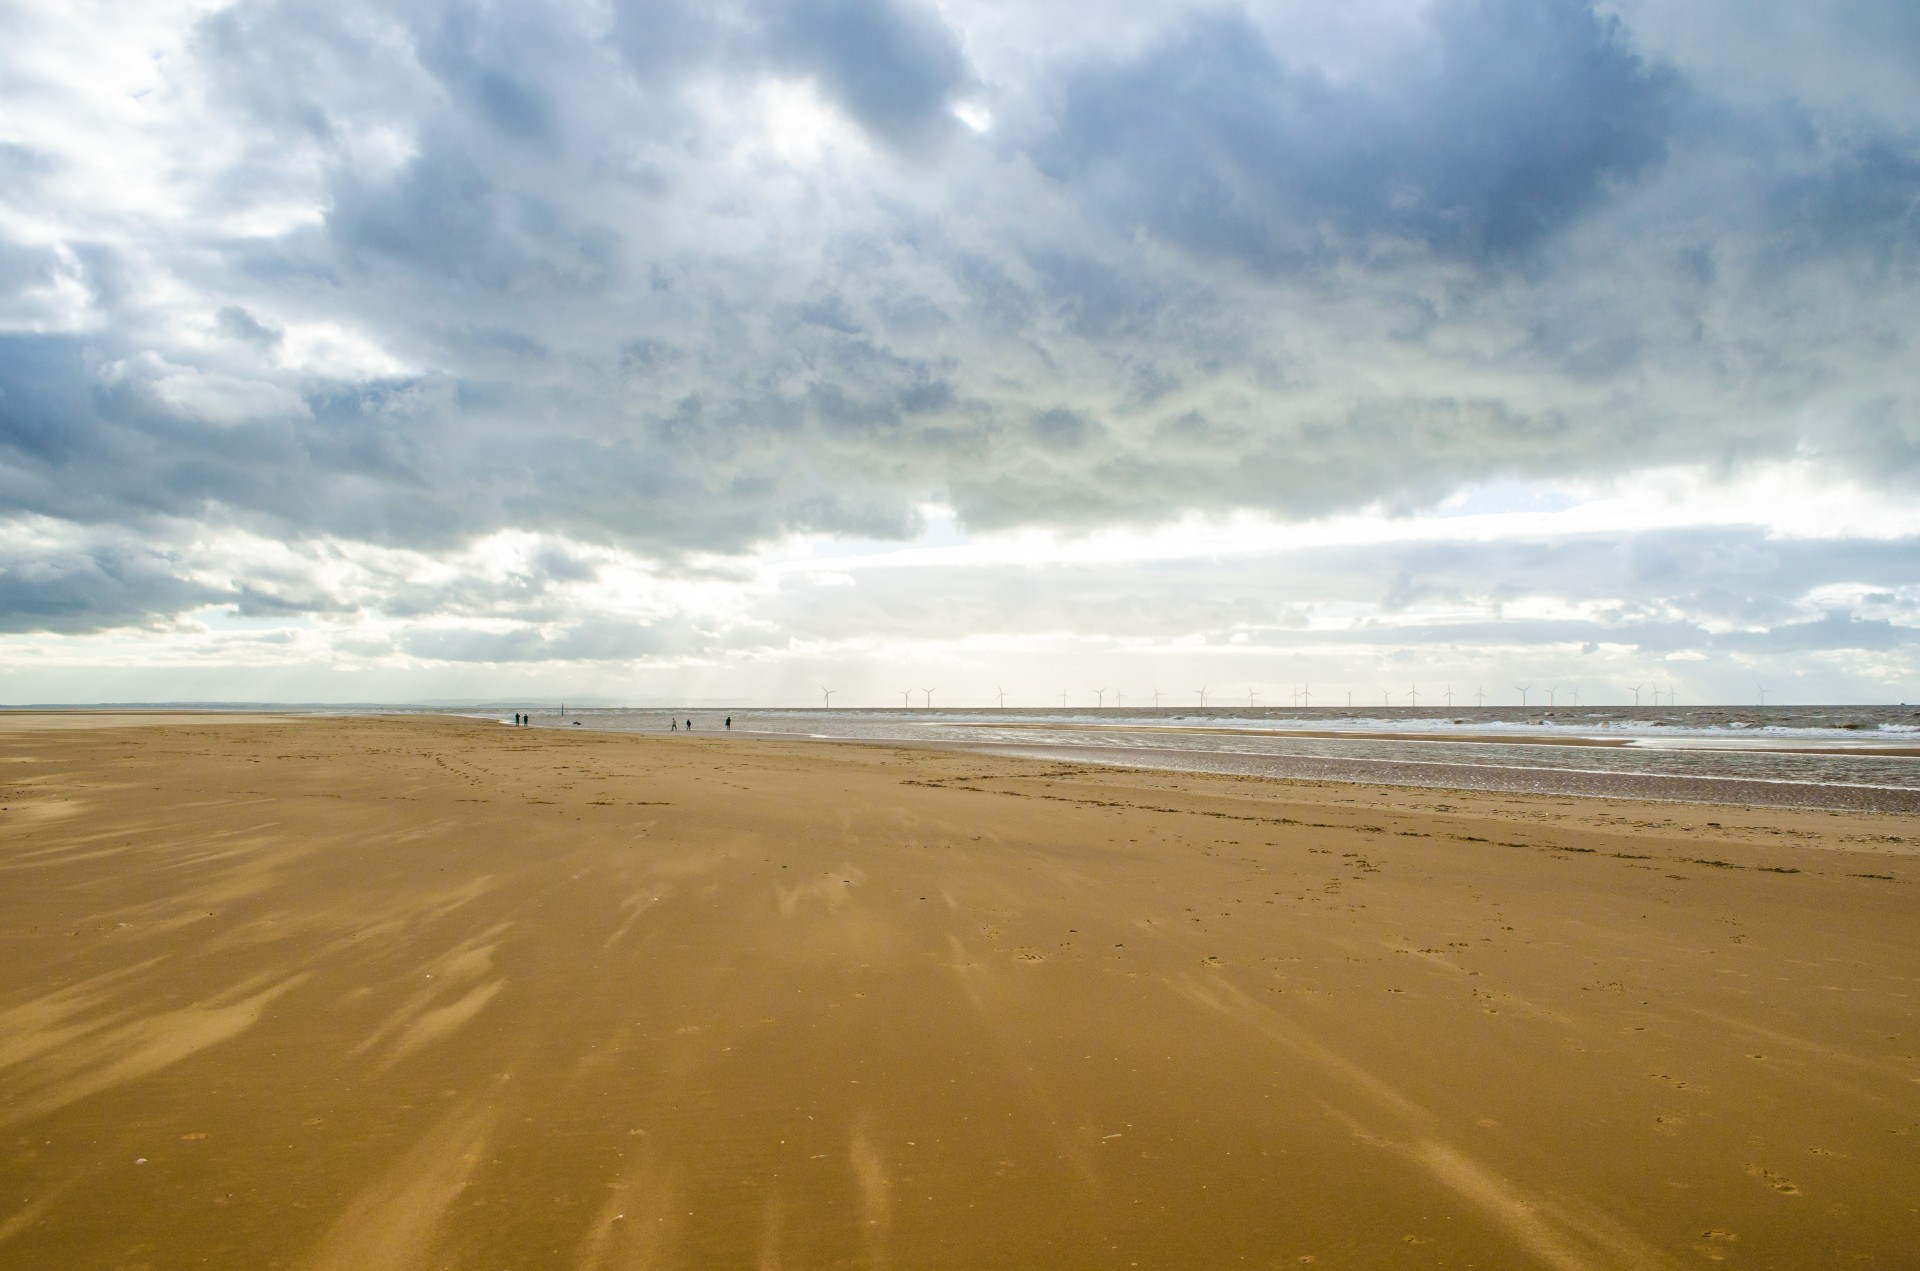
{"points": [[1694, 754]]}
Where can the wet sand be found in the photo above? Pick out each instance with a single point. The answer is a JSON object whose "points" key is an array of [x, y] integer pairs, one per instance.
{"points": [[1482, 777], [1334, 734], [413, 993], [1868, 749]]}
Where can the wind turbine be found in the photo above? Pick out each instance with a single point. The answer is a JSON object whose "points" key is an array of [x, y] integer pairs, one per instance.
{"points": [[1575, 691], [929, 693], [1524, 689], [1413, 695], [1119, 699], [1156, 699], [1101, 694], [1479, 697], [1763, 695], [1250, 699], [1449, 697], [905, 695], [828, 694], [1550, 689], [1063, 699], [1203, 697], [1636, 693], [1306, 695], [1003, 697], [1386, 697]]}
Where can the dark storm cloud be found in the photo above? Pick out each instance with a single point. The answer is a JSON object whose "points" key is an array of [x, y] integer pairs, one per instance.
{"points": [[79, 591], [403, 463], [88, 439], [1513, 118], [895, 67]]}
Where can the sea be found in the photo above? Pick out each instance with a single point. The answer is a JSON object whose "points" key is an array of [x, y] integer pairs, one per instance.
{"points": [[1840, 757]]}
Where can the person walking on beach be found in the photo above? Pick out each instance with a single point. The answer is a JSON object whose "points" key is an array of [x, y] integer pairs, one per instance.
{"points": [[689, 725], [729, 723], [674, 724]]}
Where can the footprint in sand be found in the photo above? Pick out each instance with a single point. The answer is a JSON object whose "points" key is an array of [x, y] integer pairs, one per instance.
{"points": [[1716, 1238], [1773, 1180]]}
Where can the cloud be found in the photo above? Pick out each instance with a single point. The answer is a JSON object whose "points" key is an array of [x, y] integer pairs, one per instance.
{"points": [[1693, 605], [66, 591], [891, 65], [1507, 120], [236, 323], [687, 283]]}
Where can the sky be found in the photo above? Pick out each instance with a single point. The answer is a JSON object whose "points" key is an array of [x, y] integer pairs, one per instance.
{"points": [[644, 351]]}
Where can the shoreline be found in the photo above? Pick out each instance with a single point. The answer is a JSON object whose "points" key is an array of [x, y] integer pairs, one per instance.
{"points": [[1334, 734], [1902, 751], [1679, 788]]}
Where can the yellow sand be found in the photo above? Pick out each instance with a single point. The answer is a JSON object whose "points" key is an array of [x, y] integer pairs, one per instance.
{"points": [[413, 993]]}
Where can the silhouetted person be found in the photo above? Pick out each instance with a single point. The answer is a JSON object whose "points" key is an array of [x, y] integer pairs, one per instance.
{"points": [[674, 724], [689, 725], [729, 723]]}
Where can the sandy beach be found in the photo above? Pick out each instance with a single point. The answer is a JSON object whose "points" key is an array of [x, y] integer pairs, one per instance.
{"points": [[420, 993]]}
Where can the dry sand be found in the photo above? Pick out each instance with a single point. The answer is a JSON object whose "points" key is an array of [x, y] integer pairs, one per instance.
{"points": [[412, 993]]}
